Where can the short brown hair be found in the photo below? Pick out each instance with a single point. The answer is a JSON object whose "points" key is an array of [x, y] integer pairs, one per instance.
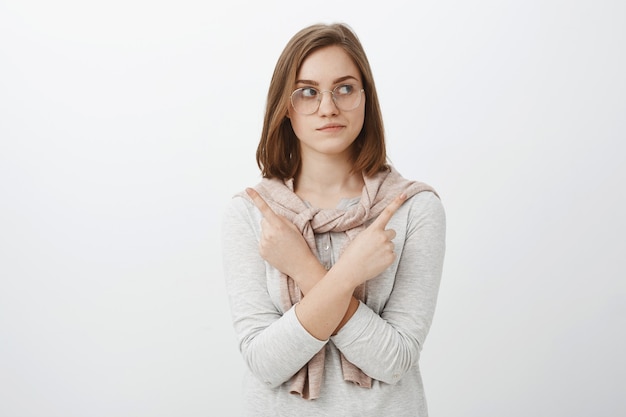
{"points": [[278, 153]]}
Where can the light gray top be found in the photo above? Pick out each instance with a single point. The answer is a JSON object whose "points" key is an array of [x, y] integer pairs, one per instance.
{"points": [[383, 338]]}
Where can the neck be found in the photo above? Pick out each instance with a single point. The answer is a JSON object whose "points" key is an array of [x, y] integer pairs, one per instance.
{"points": [[325, 182]]}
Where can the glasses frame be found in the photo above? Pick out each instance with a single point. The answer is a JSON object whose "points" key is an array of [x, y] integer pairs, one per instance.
{"points": [[320, 96]]}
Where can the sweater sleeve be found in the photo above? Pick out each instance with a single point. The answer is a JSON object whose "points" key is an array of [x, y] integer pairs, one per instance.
{"points": [[274, 345], [386, 344]]}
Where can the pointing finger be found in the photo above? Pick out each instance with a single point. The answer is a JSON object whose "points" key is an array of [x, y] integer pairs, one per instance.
{"points": [[389, 211], [259, 202]]}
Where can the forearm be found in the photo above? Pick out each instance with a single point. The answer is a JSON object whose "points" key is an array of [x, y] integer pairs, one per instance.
{"points": [[384, 339], [328, 304], [273, 343], [275, 353], [379, 349], [310, 276]]}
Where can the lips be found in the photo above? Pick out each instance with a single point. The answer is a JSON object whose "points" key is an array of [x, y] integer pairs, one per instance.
{"points": [[330, 127]]}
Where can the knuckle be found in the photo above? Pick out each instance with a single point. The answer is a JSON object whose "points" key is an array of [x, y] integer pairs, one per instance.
{"points": [[386, 260]]}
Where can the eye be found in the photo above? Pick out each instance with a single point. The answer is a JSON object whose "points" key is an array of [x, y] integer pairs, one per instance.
{"points": [[308, 92], [344, 90]]}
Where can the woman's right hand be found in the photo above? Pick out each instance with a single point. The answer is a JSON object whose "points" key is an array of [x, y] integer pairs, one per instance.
{"points": [[282, 244]]}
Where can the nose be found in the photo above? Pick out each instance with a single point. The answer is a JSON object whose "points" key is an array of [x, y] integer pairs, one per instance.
{"points": [[327, 104]]}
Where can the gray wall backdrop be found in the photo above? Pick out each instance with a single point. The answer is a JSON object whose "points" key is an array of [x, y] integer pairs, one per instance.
{"points": [[125, 126]]}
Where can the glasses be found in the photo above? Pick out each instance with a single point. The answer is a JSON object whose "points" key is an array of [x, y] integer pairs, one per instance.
{"points": [[306, 100]]}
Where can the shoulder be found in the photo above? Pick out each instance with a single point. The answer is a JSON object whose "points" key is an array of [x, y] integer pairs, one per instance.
{"points": [[427, 200], [425, 208]]}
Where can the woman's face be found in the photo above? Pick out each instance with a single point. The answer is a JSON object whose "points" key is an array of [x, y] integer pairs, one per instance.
{"points": [[329, 130]]}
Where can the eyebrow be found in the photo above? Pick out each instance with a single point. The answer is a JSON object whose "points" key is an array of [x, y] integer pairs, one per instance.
{"points": [[338, 80]]}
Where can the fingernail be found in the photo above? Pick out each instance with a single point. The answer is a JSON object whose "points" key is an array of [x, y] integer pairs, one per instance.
{"points": [[402, 196]]}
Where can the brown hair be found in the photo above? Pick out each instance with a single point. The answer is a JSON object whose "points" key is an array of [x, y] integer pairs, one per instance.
{"points": [[278, 153]]}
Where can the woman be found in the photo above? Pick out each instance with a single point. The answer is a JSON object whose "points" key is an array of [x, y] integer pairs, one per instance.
{"points": [[333, 261]]}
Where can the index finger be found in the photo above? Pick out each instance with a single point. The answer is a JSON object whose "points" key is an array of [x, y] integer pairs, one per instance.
{"points": [[389, 211], [259, 202]]}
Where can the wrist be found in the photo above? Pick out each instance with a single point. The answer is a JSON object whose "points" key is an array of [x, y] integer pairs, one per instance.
{"points": [[352, 308], [309, 273], [345, 276]]}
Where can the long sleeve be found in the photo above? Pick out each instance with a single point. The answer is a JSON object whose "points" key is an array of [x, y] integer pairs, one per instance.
{"points": [[273, 343], [384, 338]]}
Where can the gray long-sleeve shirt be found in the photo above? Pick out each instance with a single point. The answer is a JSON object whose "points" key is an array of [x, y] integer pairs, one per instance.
{"points": [[383, 338]]}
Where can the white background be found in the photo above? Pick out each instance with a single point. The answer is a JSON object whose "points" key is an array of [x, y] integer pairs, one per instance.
{"points": [[125, 126]]}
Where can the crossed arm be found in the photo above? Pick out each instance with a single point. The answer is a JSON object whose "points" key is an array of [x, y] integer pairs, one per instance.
{"points": [[328, 302], [383, 340]]}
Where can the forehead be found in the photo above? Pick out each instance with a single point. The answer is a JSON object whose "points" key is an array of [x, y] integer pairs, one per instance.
{"points": [[327, 64]]}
